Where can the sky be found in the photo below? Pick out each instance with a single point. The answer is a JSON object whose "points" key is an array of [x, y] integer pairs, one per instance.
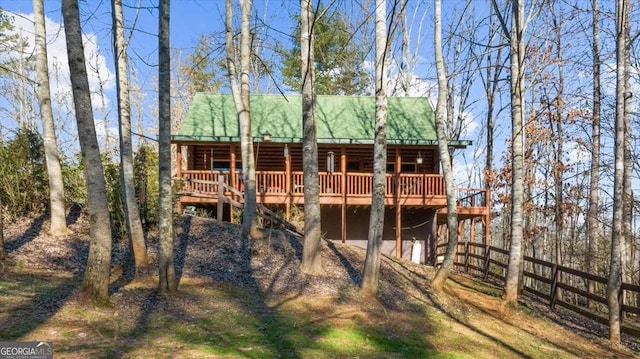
{"points": [[190, 19]]}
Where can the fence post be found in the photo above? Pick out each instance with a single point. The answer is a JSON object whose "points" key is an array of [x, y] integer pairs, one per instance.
{"points": [[554, 286], [487, 258], [220, 197]]}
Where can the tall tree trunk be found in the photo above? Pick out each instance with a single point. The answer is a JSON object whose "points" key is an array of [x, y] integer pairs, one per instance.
{"points": [[491, 84], [131, 211], [445, 158], [95, 286], [594, 180], [241, 96], [54, 171], [167, 283], [627, 197], [617, 233], [311, 260], [559, 165], [558, 169], [517, 52], [376, 218]]}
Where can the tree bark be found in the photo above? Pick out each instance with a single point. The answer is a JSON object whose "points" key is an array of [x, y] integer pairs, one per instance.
{"points": [[311, 260], [376, 218], [95, 285], [56, 187], [241, 96], [594, 180], [131, 211], [627, 207], [167, 283], [558, 169], [517, 52], [617, 232], [445, 158]]}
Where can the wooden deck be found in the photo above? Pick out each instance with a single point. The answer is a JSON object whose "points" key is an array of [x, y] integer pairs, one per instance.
{"points": [[352, 189], [338, 189]]}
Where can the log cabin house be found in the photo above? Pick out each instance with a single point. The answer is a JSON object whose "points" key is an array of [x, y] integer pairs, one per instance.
{"points": [[208, 155]]}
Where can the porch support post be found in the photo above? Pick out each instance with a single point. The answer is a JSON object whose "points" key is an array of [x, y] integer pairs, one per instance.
{"points": [[431, 254], [287, 184], [232, 166], [179, 160], [232, 177], [486, 219], [220, 198], [343, 190], [460, 229], [398, 166], [487, 229], [472, 238], [179, 172]]}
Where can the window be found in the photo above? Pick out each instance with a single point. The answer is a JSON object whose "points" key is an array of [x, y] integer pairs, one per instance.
{"points": [[391, 167], [223, 165], [408, 167], [353, 165]]}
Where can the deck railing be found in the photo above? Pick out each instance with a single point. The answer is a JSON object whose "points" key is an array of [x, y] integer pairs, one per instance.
{"points": [[406, 185], [471, 197]]}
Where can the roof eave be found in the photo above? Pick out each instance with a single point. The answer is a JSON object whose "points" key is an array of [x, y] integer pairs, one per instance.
{"points": [[346, 141]]}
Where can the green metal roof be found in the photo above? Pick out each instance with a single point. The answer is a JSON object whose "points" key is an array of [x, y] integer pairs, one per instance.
{"points": [[339, 119]]}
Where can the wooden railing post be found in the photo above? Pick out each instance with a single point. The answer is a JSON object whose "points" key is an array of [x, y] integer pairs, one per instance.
{"points": [[554, 286], [220, 197], [487, 258]]}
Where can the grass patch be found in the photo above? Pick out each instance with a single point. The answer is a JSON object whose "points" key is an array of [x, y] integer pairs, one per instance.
{"points": [[30, 297], [211, 319], [216, 320]]}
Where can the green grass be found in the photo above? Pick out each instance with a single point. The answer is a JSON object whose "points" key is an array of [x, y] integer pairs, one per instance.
{"points": [[211, 320], [28, 297], [239, 324]]}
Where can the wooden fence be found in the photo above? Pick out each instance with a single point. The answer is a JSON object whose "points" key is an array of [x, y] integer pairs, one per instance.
{"points": [[553, 283]]}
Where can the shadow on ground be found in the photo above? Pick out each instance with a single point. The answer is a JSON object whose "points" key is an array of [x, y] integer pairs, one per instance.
{"points": [[33, 297], [29, 235]]}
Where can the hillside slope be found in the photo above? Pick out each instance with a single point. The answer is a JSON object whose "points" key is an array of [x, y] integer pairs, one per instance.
{"points": [[248, 299]]}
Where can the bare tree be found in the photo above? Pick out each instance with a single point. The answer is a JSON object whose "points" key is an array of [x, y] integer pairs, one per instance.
{"points": [[56, 186], [594, 181], [376, 219], [517, 58], [168, 283], [132, 214], [627, 197], [95, 286], [241, 96], [491, 85], [623, 96], [311, 261], [558, 169], [445, 158]]}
